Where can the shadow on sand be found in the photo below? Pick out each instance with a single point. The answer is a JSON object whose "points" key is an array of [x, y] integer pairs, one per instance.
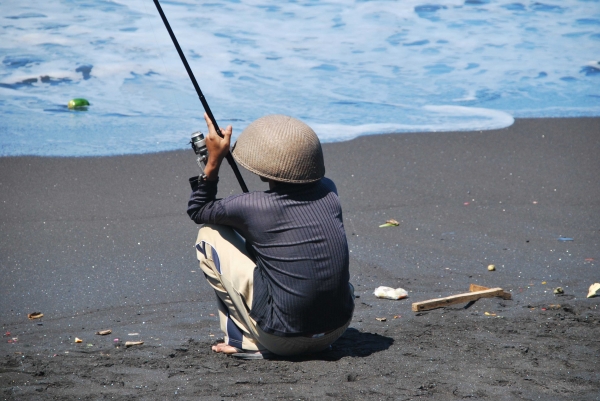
{"points": [[353, 343]]}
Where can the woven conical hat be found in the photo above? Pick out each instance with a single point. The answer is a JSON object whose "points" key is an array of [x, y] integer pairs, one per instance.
{"points": [[280, 148]]}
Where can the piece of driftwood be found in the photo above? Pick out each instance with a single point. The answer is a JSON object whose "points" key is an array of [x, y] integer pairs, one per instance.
{"points": [[460, 298], [475, 287]]}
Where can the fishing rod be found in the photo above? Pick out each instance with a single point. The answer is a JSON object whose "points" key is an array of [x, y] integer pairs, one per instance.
{"points": [[229, 157]]}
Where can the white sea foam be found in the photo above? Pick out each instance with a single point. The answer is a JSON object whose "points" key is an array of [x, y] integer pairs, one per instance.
{"points": [[346, 67], [443, 118]]}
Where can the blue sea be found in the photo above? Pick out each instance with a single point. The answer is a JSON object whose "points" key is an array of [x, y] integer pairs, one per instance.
{"points": [[345, 67]]}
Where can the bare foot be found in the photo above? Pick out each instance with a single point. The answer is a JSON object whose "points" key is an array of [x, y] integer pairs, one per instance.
{"points": [[224, 348]]}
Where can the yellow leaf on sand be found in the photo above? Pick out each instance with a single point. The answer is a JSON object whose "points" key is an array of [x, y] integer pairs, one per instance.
{"points": [[390, 223]]}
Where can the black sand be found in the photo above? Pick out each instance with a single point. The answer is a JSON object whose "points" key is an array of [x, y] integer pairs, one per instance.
{"points": [[105, 243]]}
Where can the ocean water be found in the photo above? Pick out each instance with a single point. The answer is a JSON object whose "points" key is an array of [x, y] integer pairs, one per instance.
{"points": [[345, 67]]}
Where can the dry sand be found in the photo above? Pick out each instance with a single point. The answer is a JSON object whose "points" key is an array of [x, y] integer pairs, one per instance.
{"points": [[105, 243]]}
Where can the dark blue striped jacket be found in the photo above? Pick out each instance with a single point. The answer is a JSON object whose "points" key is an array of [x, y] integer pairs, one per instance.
{"points": [[296, 235]]}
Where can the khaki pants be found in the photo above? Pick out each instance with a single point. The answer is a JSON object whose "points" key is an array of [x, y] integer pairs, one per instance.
{"points": [[230, 271]]}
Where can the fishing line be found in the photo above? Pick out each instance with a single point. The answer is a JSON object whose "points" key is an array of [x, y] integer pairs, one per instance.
{"points": [[156, 48]]}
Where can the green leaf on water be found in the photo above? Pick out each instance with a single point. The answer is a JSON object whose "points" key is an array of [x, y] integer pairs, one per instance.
{"points": [[78, 103]]}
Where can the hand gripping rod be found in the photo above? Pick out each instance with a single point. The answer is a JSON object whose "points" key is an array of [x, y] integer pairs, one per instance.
{"points": [[229, 157]]}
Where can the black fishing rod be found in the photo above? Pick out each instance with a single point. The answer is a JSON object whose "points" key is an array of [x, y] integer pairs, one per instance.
{"points": [[229, 157]]}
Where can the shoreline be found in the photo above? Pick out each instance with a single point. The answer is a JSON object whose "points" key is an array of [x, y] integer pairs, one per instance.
{"points": [[324, 143], [104, 242]]}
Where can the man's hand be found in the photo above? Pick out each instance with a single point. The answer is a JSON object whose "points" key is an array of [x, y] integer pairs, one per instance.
{"points": [[217, 148]]}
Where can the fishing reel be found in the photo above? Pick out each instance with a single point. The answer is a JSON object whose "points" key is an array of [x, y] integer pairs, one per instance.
{"points": [[198, 143]]}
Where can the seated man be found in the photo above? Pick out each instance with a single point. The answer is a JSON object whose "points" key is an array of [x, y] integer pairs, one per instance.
{"points": [[278, 259]]}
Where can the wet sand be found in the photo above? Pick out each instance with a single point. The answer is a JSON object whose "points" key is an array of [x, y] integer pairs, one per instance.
{"points": [[105, 243]]}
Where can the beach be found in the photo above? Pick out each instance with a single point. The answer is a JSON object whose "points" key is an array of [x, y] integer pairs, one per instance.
{"points": [[103, 243]]}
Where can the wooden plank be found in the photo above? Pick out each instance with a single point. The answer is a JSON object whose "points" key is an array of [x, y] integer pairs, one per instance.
{"points": [[456, 299], [475, 287]]}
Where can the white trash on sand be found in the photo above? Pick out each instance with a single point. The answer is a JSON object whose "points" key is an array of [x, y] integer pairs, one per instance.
{"points": [[390, 293]]}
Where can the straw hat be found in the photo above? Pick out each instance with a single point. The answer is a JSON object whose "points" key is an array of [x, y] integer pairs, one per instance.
{"points": [[280, 148]]}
